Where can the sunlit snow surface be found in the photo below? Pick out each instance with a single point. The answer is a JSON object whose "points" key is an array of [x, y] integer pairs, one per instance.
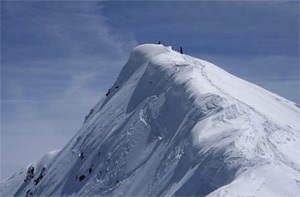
{"points": [[176, 125]]}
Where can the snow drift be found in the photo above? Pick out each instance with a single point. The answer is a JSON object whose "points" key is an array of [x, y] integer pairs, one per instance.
{"points": [[174, 125]]}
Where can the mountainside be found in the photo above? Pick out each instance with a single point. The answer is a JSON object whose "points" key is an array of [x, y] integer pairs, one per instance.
{"points": [[174, 125]]}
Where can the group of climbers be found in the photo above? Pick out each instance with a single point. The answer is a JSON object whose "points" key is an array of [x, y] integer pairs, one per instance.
{"points": [[180, 48]]}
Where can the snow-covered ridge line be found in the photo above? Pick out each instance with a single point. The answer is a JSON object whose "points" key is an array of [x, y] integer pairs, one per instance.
{"points": [[176, 125], [206, 77]]}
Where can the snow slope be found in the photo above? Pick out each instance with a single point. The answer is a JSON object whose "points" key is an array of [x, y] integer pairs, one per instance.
{"points": [[174, 125]]}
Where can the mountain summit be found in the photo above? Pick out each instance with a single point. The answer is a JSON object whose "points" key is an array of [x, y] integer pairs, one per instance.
{"points": [[174, 125]]}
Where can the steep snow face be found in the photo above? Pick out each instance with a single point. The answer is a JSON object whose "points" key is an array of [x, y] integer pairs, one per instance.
{"points": [[176, 125]]}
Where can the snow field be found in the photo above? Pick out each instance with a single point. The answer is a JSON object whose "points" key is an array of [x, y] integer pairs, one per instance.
{"points": [[174, 125]]}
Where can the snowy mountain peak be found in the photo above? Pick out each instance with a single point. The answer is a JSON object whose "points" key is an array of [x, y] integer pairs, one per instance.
{"points": [[175, 125]]}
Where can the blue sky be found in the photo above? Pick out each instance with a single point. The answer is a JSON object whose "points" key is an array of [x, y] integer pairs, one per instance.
{"points": [[59, 58]]}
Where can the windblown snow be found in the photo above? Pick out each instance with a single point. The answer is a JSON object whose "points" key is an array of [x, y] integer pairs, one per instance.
{"points": [[174, 125]]}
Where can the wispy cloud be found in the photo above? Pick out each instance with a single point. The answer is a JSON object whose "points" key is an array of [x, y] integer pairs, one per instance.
{"points": [[58, 58]]}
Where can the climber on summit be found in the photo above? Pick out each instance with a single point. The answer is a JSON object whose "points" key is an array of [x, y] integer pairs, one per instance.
{"points": [[181, 51]]}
